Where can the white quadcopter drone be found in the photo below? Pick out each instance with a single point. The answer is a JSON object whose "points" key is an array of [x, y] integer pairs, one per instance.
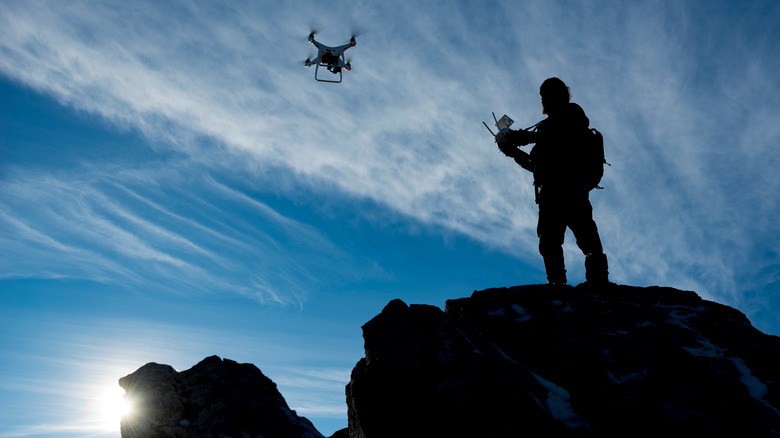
{"points": [[331, 58]]}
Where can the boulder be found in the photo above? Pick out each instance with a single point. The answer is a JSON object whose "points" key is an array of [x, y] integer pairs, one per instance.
{"points": [[215, 398], [565, 361]]}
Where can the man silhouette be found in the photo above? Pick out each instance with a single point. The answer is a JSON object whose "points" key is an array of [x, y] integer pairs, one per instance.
{"points": [[561, 192]]}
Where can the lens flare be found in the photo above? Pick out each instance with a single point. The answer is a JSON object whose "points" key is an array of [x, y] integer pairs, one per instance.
{"points": [[114, 405]]}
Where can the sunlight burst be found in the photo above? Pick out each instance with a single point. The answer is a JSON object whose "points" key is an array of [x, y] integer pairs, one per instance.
{"points": [[114, 406]]}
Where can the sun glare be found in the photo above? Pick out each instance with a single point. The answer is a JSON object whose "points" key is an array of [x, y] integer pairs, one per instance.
{"points": [[114, 405]]}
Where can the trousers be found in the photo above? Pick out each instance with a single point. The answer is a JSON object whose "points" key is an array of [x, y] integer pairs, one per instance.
{"points": [[557, 211]]}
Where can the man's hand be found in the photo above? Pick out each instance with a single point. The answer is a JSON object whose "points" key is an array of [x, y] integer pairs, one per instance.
{"points": [[503, 138], [505, 142], [508, 150], [507, 137]]}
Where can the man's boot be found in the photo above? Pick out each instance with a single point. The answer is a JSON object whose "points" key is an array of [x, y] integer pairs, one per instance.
{"points": [[556, 273], [596, 270]]}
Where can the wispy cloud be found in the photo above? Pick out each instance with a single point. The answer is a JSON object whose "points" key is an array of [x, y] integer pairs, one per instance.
{"points": [[404, 129], [110, 228]]}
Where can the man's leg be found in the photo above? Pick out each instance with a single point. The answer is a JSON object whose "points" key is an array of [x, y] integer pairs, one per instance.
{"points": [[596, 269], [587, 234], [551, 230]]}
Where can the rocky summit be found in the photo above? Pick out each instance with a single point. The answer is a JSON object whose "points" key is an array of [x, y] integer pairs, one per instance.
{"points": [[215, 398], [526, 361], [565, 361]]}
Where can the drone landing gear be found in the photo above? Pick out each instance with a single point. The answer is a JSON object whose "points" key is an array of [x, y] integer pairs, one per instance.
{"points": [[317, 70], [332, 68]]}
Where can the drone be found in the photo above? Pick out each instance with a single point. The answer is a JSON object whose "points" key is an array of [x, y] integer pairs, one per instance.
{"points": [[332, 58]]}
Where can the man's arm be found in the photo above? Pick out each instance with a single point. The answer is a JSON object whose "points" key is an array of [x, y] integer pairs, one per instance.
{"points": [[517, 138], [521, 157], [508, 142], [524, 160]]}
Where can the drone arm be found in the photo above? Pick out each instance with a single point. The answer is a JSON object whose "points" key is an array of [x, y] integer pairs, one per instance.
{"points": [[318, 45], [315, 61]]}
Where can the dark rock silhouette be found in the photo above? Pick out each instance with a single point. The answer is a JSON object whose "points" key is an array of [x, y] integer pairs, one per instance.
{"points": [[527, 361], [564, 361], [215, 398]]}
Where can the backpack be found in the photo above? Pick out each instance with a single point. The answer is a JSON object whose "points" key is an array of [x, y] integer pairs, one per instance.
{"points": [[588, 159], [593, 159]]}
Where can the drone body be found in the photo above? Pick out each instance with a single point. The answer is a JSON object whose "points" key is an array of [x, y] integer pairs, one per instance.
{"points": [[332, 58]]}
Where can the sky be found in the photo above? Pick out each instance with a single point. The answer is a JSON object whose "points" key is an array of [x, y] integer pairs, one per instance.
{"points": [[174, 184]]}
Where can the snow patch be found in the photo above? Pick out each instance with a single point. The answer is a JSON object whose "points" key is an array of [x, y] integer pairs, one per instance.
{"points": [[619, 379], [756, 388], [523, 315], [499, 312], [557, 403]]}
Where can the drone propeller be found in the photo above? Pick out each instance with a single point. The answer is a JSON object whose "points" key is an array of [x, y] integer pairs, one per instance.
{"points": [[314, 29], [354, 34], [307, 62], [357, 31]]}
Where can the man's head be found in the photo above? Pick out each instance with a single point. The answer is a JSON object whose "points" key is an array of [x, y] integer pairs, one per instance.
{"points": [[555, 94]]}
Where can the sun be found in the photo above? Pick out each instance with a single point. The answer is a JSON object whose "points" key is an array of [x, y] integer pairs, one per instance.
{"points": [[114, 406]]}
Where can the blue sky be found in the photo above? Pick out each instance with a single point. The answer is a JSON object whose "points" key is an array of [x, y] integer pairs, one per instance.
{"points": [[174, 184]]}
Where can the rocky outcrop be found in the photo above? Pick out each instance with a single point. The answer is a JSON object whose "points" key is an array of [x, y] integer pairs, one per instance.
{"points": [[565, 361], [527, 361], [215, 398]]}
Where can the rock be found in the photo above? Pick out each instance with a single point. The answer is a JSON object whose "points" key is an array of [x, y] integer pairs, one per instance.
{"points": [[565, 361], [342, 433], [425, 376], [215, 398]]}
